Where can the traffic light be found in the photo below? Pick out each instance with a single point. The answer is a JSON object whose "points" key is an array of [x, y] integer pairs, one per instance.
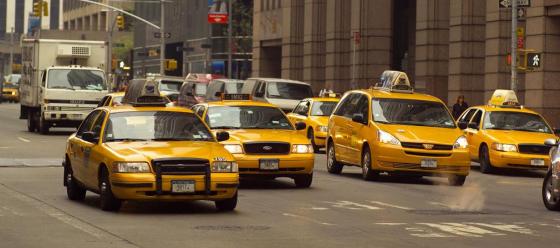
{"points": [[37, 7], [170, 64], [45, 8], [120, 22]]}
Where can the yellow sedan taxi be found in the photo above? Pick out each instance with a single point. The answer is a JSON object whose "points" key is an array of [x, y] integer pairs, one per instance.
{"points": [[390, 128], [263, 141], [315, 112], [111, 100], [504, 134], [146, 151]]}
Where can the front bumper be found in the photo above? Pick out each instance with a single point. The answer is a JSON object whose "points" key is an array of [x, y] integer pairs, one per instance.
{"points": [[320, 139], [10, 97], [289, 165], [391, 158], [517, 160], [143, 187]]}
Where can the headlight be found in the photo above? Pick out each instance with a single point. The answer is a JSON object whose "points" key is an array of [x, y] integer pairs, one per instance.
{"points": [[322, 129], [302, 149], [13, 93], [131, 167], [387, 138], [461, 143], [224, 166], [504, 147], [234, 149]]}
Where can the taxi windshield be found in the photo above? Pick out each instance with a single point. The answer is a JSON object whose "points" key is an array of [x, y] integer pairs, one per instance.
{"points": [[517, 121], [247, 117], [155, 126], [411, 112], [323, 108]]}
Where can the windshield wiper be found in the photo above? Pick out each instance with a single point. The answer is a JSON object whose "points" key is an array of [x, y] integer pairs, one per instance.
{"points": [[125, 139]]}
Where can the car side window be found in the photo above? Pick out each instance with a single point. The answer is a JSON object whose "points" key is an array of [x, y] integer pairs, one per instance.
{"points": [[362, 107], [87, 123], [103, 102], [260, 89], [302, 108], [352, 107], [343, 105], [200, 111], [466, 117], [477, 117], [98, 124]]}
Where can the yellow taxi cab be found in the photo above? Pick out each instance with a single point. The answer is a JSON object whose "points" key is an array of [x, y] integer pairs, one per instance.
{"points": [[146, 151], [111, 100], [390, 128], [505, 134], [315, 112], [10, 89], [263, 141]]}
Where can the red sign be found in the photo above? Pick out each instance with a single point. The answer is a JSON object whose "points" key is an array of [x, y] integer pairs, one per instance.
{"points": [[357, 38], [217, 18], [520, 42]]}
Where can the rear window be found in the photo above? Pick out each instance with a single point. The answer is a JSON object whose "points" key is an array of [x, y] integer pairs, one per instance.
{"points": [[282, 90]]}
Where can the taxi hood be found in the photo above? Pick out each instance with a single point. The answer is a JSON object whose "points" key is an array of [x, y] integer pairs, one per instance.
{"points": [[518, 137], [147, 151], [422, 134], [264, 135]]}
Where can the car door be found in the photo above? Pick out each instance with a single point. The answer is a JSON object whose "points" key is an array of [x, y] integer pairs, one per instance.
{"points": [[473, 134], [93, 152], [341, 132], [359, 106], [300, 112], [77, 147]]}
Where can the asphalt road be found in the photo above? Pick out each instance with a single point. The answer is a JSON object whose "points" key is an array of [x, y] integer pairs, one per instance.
{"points": [[337, 211]]}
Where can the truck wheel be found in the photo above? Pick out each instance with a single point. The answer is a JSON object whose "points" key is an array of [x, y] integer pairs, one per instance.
{"points": [[227, 205], [31, 127], [43, 126]]}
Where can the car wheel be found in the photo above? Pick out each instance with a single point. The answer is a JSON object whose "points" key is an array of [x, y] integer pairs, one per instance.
{"points": [[73, 190], [368, 173], [333, 166], [456, 180], [311, 137], [43, 126], [303, 181], [227, 204], [31, 127], [551, 201], [108, 201], [485, 165]]}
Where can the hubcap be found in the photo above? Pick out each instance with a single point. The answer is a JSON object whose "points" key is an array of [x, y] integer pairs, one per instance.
{"points": [[68, 178], [330, 157], [365, 165], [103, 186], [549, 194]]}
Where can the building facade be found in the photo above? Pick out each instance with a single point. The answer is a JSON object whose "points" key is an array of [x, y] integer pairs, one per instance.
{"points": [[88, 17], [448, 47]]}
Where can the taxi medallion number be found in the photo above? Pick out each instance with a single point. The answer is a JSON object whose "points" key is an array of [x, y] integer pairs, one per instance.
{"points": [[182, 186], [269, 164], [428, 163], [537, 162]]}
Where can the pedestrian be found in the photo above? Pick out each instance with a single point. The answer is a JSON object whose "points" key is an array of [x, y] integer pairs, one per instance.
{"points": [[459, 107]]}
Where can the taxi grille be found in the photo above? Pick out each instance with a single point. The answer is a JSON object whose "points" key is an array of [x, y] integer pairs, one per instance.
{"points": [[534, 149], [180, 166], [421, 146], [267, 148]]}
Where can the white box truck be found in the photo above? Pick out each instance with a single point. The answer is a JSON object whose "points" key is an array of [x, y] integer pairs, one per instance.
{"points": [[62, 81]]}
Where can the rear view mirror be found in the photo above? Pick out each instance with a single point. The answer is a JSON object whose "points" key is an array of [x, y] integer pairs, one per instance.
{"points": [[473, 125], [462, 125], [222, 136], [300, 125], [551, 142]]}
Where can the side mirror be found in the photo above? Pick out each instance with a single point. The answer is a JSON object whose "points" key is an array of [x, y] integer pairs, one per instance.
{"points": [[222, 136], [462, 125], [550, 142], [359, 118], [557, 131], [90, 137], [300, 125], [473, 125]]}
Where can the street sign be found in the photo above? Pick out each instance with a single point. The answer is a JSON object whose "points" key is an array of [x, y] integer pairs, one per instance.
{"points": [[534, 60], [520, 3], [217, 12], [157, 35]]}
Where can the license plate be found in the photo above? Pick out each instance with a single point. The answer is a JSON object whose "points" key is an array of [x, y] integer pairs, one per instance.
{"points": [[182, 186], [537, 162], [428, 163], [268, 164]]}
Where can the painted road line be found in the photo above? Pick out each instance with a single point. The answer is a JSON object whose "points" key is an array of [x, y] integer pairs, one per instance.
{"points": [[390, 224], [507, 228], [460, 229], [24, 139], [391, 205], [308, 219], [352, 205]]}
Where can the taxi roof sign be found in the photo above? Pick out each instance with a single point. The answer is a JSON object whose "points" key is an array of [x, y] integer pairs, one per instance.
{"points": [[504, 98], [328, 93], [144, 92], [236, 97], [395, 81]]}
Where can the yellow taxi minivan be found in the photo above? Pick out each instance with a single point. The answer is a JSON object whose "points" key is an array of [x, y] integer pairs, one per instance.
{"points": [[263, 141], [146, 151], [390, 128], [315, 112], [504, 134]]}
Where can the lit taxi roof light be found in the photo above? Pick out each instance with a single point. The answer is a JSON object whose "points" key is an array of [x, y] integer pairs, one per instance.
{"points": [[328, 94], [236, 97], [395, 81], [145, 93], [504, 99]]}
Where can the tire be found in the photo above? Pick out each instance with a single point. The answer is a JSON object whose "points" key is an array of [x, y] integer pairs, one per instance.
{"points": [[304, 181], [31, 125], [108, 201], [484, 158], [73, 190], [456, 180], [368, 173], [311, 137], [43, 125], [550, 202], [333, 166], [227, 205]]}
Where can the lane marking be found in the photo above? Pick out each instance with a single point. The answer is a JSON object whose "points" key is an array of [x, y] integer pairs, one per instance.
{"points": [[24, 139], [352, 205], [518, 183], [423, 233], [390, 224], [391, 205], [308, 219], [462, 229], [506, 228]]}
